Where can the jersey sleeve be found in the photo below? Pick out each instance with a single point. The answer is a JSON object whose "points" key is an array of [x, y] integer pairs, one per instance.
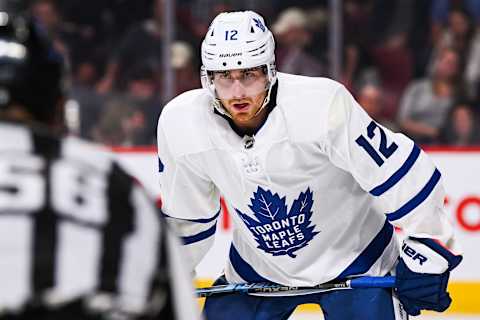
{"points": [[190, 201], [404, 181]]}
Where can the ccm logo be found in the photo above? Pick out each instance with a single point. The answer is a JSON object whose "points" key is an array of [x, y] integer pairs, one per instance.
{"points": [[409, 251]]}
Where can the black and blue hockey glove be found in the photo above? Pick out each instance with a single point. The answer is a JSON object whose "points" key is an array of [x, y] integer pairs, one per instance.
{"points": [[422, 275]]}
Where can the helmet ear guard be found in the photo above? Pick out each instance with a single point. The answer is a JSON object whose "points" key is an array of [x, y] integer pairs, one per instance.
{"points": [[237, 40]]}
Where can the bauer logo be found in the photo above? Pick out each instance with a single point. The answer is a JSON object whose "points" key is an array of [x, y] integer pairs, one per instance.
{"points": [[410, 252], [229, 55], [277, 230]]}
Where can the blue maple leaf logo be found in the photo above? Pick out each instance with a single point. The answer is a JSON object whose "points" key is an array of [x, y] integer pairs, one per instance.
{"points": [[259, 24], [276, 231]]}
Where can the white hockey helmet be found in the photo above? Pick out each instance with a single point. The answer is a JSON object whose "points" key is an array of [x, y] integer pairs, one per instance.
{"points": [[237, 40]]}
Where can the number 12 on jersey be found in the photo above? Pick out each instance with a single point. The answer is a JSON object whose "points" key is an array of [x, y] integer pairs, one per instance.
{"points": [[383, 149]]}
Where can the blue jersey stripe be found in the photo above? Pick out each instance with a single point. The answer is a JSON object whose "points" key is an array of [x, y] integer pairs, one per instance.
{"points": [[161, 166], [418, 199], [200, 236], [399, 174], [206, 220], [371, 254], [243, 269]]}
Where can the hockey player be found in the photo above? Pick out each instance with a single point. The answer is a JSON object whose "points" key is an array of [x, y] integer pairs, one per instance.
{"points": [[316, 186], [79, 239]]}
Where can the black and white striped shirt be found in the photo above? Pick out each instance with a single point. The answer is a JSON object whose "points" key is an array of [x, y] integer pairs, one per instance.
{"points": [[74, 225]]}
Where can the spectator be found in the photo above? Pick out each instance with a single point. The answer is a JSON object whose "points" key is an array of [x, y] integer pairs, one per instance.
{"points": [[142, 88], [439, 12], [143, 42], [133, 121], [461, 127], [186, 76], [357, 37], [46, 12], [141, 82], [318, 25], [356, 68], [390, 51], [86, 31], [84, 101], [86, 106], [458, 30], [370, 97], [394, 63], [426, 102], [357, 18], [460, 34], [376, 34], [122, 123], [293, 36]]}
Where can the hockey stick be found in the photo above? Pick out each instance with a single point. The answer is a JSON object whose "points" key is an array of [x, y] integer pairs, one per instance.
{"points": [[245, 288]]}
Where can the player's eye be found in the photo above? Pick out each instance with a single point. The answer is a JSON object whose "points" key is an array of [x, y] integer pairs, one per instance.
{"points": [[249, 75], [224, 75]]}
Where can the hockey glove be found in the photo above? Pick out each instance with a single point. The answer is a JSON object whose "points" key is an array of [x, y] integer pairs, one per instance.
{"points": [[422, 275]]}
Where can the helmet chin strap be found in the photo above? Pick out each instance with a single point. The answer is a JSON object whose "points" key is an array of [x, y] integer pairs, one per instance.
{"points": [[266, 100]]}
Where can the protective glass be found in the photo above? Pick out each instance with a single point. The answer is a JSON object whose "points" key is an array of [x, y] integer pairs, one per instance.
{"points": [[231, 84]]}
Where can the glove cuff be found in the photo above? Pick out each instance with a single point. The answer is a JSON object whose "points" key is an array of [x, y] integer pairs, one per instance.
{"points": [[452, 258], [425, 255]]}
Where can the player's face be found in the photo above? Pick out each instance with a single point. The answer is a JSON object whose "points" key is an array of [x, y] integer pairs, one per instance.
{"points": [[241, 92]]}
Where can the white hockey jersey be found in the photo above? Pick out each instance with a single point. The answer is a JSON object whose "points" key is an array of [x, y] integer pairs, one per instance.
{"points": [[315, 192]]}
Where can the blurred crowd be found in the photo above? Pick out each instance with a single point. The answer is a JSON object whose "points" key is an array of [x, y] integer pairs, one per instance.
{"points": [[413, 65]]}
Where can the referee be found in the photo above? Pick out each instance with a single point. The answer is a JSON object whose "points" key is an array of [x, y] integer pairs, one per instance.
{"points": [[79, 239]]}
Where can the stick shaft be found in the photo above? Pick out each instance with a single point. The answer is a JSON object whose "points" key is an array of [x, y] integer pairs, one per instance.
{"points": [[245, 288]]}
